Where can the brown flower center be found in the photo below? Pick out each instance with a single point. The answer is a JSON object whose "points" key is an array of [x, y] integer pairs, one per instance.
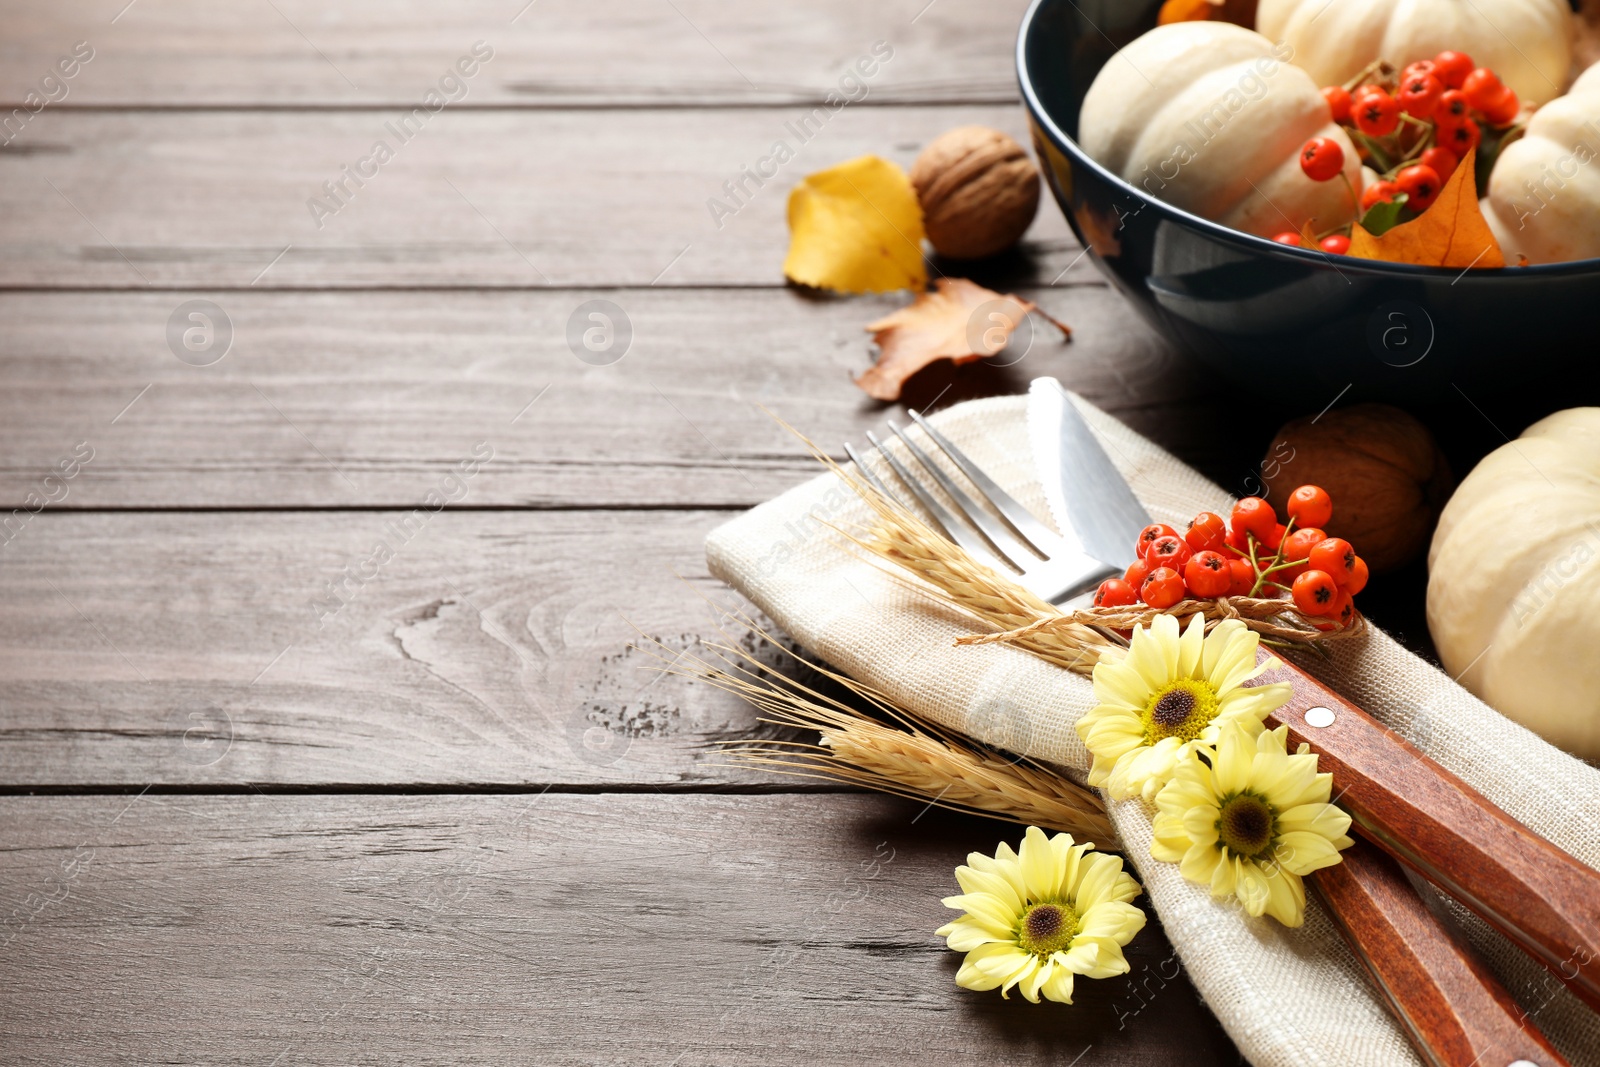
{"points": [[1047, 929], [1172, 709], [1183, 708], [1245, 823]]}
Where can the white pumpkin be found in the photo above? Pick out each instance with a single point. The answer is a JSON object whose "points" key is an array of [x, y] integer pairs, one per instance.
{"points": [[1207, 117], [1527, 42], [1544, 194], [1511, 579]]}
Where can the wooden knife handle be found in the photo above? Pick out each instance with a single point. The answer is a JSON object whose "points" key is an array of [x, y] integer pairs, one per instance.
{"points": [[1455, 1012], [1530, 890]]}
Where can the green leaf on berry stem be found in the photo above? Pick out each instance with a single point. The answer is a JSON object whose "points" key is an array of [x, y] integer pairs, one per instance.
{"points": [[1493, 142], [1384, 216]]}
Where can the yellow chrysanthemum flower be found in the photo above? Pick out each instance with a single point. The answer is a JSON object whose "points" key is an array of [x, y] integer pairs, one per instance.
{"points": [[1251, 820], [1169, 694], [1035, 918]]}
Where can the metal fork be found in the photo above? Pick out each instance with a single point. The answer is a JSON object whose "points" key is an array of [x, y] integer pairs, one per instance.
{"points": [[1010, 539]]}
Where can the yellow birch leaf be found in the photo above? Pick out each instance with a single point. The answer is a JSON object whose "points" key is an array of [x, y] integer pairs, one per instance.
{"points": [[856, 228], [1451, 233]]}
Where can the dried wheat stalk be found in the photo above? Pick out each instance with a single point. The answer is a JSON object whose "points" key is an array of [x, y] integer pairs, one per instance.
{"points": [[914, 759]]}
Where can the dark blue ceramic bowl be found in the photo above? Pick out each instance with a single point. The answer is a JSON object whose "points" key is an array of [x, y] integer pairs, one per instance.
{"points": [[1278, 317]]}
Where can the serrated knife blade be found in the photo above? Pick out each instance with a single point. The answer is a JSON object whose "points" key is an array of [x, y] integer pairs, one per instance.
{"points": [[1088, 497]]}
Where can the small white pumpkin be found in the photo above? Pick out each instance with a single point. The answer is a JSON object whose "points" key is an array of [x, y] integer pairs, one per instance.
{"points": [[1511, 579], [1544, 194], [1527, 42], [1209, 118]]}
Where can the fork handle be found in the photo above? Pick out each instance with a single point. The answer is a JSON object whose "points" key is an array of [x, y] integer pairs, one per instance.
{"points": [[1537, 895], [1454, 1011]]}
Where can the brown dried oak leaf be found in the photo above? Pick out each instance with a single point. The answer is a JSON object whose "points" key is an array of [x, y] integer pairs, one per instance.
{"points": [[959, 321]]}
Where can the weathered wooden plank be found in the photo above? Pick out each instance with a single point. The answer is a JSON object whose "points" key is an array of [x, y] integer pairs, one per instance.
{"points": [[362, 647], [371, 399], [187, 53], [471, 198], [553, 929]]}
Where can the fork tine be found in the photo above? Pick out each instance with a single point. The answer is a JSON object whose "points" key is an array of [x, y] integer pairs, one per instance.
{"points": [[867, 472], [952, 527], [1035, 533], [986, 524]]}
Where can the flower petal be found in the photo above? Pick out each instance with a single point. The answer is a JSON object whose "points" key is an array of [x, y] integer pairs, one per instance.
{"points": [[1040, 871], [988, 910], [1095, 957], [988, 965], [1058, 987], [1235, 756], [1113, 919], [1253, 887], [1301, 852], [1031, 985], [1099, 882], [1191, 646], [991, 882], [1119, 684], [1287, 901]]}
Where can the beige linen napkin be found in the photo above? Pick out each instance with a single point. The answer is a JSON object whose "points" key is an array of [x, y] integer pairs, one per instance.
{"points": [[1288, 998]]}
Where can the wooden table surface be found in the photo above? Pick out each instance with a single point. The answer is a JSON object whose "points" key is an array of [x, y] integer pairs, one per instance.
{"points": [[271, 796]]}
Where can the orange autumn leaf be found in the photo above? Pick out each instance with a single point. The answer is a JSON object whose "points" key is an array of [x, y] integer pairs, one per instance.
{"points": [[1238, 12], [959, 321], [1451, 233]]}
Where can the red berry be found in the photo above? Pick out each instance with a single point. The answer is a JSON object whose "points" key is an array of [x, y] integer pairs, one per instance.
{"points": [[1336, 244], [1136, 573], [1207, 574], [1421, 66], [1419, 95], [1288, 237], [1206, 530], [1316, 593], [1461, 136], [1452, 68], [1310, 505], [1453, 107], [1162, 588], [1504, 109], [1171, 552], [1442, 160], [1322, 159], [1376, 193], [1358, 577], [1274, 537], [1241, 577], [1421, 186], [1363, 89], [1238, 540], [1115, 593], [1335, 556], [1346, 610], [1298, 545], [1254, 515], [1482, 88], [1338, 98], [1154, 532], [1376, 113]]}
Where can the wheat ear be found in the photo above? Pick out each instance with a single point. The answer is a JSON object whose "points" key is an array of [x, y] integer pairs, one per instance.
{"points": [[907, 757]]}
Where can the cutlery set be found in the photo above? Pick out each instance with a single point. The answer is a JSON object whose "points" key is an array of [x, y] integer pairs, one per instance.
{"points": [[1410, 812]]}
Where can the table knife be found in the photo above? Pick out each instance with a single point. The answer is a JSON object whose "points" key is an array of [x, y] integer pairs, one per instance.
{"points": [[1402, 801]]}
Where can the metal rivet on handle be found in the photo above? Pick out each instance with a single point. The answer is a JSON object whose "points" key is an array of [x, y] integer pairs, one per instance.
{"points": [[1522, 1063], [1321, 718]]}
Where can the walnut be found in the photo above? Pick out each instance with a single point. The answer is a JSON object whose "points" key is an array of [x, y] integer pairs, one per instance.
{"points": [[1387, 476], [978, 190]]}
